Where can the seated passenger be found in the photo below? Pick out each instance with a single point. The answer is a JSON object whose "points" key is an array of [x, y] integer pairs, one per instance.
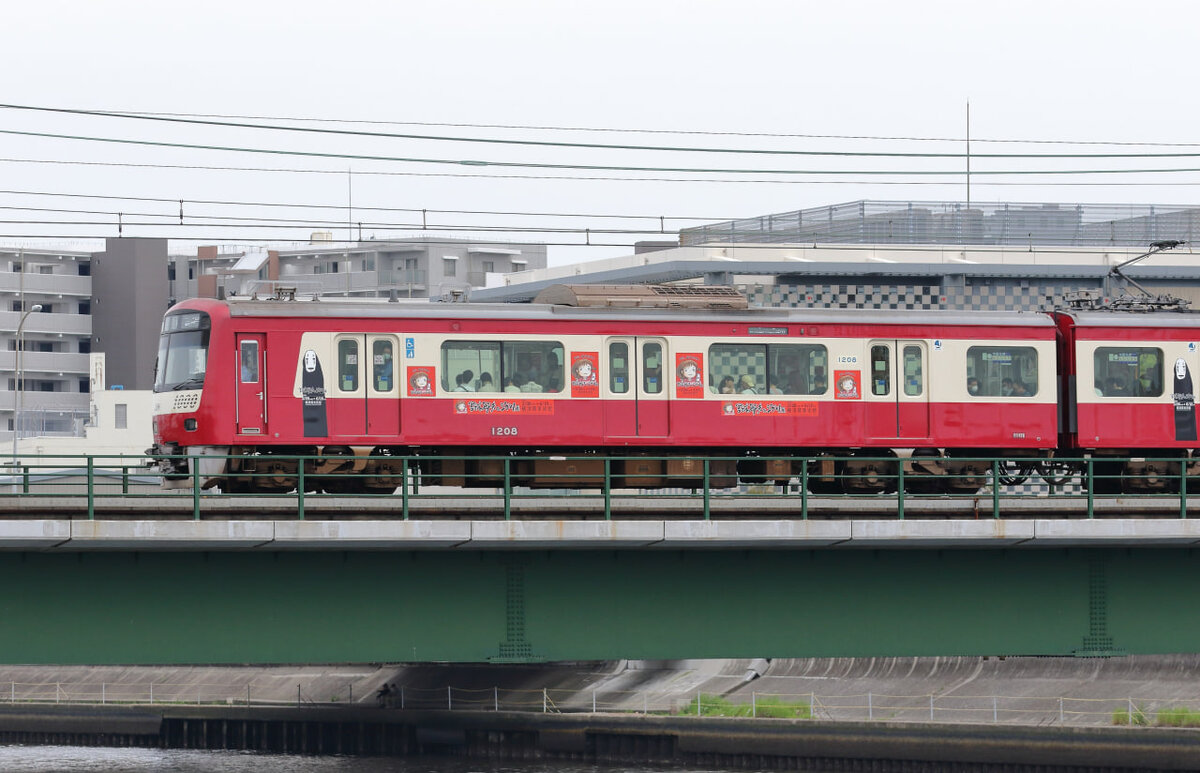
{"points": [[1115, 387], [511, 383], [465, 381], [746, 385], [820, 386], [485, 382], [972, 385], [531, 386], [1019, 389], [726, 386]]}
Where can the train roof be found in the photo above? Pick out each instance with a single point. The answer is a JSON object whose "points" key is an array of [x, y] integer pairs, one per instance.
{"points": [[382, 309], [1139, 319]]}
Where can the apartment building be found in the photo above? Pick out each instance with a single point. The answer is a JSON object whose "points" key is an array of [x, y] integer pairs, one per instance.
{"points": [[406, 268], [56, 340]]}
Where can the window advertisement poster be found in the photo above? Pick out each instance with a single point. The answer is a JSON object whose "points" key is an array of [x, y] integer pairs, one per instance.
{"points": [[420, 380], [585, 379], [689, 383], [846, 385]]}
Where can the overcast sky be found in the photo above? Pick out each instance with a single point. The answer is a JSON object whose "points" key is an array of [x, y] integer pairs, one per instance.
{"points": [[1071, 72]]}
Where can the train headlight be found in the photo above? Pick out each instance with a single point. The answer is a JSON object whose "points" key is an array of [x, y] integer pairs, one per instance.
{"points": [[189, 425]]}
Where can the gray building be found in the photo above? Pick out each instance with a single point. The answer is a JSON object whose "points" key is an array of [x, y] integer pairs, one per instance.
{"points": [[110, 301], [406, 268]]}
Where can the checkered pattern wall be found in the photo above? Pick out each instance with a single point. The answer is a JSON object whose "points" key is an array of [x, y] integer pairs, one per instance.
{"points": [[986, 295]]}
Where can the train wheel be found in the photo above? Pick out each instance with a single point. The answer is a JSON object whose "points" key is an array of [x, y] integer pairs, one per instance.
{"points": [[925, 472]]}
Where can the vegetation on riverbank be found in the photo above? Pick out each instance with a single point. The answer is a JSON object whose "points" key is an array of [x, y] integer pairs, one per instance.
{"points": [[763, 706], [1175, 716]]}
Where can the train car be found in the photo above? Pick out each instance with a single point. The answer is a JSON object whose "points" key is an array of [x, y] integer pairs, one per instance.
{"points": [[1131, 394], [342, 381]]}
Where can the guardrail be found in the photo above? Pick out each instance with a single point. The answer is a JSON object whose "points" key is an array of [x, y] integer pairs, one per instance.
{"points": [[700, 486], [848, 707]]}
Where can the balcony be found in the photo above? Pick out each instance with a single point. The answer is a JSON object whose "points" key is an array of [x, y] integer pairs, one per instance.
{"points": [[37, 364], [45, 401], [47, 284], [38, 322]]}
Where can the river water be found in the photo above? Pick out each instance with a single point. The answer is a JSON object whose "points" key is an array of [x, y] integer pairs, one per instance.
{"points": [[78, 759]]}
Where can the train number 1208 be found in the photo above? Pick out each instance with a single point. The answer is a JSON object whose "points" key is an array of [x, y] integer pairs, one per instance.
{"points": [[511, 431]]}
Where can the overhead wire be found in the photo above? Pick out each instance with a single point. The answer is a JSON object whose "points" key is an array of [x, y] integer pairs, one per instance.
{"points": [[627, 130], [587, 145], [576, 178], [584, 167]]}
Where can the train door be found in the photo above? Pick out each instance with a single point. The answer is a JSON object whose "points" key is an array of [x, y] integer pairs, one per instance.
{"points": [[347, 410], [897, 392], [383, 394], [251, 395], [635, 401]]}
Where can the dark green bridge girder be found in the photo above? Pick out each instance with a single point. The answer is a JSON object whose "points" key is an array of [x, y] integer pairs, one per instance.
{"points": [[293, 607]]}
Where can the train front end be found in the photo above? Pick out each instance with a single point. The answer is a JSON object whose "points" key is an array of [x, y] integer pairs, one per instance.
{"points": [[184, 412]]}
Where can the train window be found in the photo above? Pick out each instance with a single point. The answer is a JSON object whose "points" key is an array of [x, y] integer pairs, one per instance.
{"points": [[777, 369], [249, 362], [652, 383], [466, 363], [511, 366], [1003, 371], [1128, 371], [881, 370], [348, 365], [618, 367], [534, 366], [382, 365], [914, 379]]}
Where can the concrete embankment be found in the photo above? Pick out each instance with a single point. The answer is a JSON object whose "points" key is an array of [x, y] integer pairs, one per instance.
{"points": [[869, 714], [745, 744]]}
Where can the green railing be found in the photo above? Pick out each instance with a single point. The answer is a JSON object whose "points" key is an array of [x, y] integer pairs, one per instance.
{"points": [[698, 486]]}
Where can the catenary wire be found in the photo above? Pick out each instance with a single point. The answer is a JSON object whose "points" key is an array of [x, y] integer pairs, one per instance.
{"points": [[682, 132], [587, 145], [580, 178], [584, 167]]}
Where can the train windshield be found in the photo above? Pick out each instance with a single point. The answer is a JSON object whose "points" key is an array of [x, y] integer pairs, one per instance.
{"points": [[182, 352]]}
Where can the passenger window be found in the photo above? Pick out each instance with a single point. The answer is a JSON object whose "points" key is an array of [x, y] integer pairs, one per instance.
{"points": [[249, 362], [533, 366], [502, 366], [1003, 371], [914, 380], [618, 368], [467, 363], [881, 370], [1128, 371], [382, 365], [348, 365], [652, 383], [776, 369]]}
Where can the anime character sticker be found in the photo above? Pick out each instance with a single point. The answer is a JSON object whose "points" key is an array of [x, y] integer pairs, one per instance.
{"points": [[420, 381], [846, 385], [312, 395], [585, 381], [1184, 398], [688, 380]]}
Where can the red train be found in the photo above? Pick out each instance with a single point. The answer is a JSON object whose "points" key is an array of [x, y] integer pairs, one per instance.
{"points": [[601, 372]]}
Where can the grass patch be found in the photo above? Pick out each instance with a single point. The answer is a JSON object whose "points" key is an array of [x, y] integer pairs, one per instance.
{"points": [[1121, 717], [1177, 716], [766, 706]]}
